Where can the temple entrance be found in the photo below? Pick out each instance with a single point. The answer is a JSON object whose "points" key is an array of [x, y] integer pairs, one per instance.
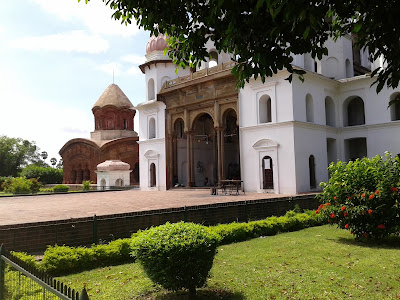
{"points": [[204, 150], [204, 154]]}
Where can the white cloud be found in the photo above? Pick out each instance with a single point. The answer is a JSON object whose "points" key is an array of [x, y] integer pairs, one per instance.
{"points": [[73, 41], [111, 68], [134, 59], [134, 71], [121, 69], [95, 15], [49, 124]]}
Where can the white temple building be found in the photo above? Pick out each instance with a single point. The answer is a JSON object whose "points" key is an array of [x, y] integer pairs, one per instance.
{"points": [[196, 128]]}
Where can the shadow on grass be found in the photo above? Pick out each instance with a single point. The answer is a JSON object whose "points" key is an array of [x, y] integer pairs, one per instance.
{"points": [[202, 294], [392, 242]]}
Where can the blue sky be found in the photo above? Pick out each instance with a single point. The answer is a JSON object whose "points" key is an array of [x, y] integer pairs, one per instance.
{"points": [[56, 59]]}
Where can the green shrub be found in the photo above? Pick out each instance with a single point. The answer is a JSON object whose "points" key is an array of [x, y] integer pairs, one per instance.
{"points": [[236, 232], [86, 185], [178, 255], [4, 182], [60, 188], [62, 260], [363, 196], [28, 259], [44, 175], [21, 185], [35, 185]]}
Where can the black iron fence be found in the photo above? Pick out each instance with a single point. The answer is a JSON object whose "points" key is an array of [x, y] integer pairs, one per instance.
{"points": [[19, 280]]}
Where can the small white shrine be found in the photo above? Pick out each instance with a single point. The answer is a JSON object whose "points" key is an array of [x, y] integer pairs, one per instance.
{"points": [[113, 173]]}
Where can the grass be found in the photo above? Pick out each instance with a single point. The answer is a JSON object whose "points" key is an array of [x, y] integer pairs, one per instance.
{"points": [[316, 263]]}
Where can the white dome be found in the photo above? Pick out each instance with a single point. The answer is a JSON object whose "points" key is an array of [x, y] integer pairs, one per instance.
{"points": [[113, 165], [158, 43]]}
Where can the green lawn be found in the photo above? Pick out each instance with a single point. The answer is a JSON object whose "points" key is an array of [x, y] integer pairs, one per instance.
{"points": [[315, 263]]}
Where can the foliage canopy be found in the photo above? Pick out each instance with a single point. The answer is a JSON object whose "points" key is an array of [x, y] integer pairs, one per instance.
{"points": [[262, 34], [16, 153]]}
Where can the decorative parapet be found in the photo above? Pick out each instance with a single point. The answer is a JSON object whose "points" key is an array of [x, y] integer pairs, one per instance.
{"points": [[199, 74]]}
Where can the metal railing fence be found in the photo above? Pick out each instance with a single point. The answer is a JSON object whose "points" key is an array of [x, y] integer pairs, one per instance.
{"points": [[21, 280]]}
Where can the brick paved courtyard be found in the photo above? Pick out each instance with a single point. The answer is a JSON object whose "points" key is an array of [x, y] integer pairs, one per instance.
{"points": [[28, 209]]}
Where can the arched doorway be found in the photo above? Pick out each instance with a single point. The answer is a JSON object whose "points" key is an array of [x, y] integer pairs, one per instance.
{"points": [[268, 175], [204, 148], [103, 184], [119, 182], [153, 179], [311, 168]]}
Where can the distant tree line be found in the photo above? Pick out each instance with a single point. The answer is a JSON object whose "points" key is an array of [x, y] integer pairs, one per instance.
{"points": [[19, 157]]}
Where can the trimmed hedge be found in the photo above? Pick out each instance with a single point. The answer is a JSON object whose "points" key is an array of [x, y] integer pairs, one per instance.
{"points": [[62, 260], [237, 232], [61, 188]]}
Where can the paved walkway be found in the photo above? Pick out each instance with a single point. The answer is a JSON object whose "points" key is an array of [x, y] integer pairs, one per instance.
{"points": [[18, 210]]}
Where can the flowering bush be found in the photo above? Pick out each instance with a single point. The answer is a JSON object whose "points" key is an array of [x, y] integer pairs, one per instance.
{"points": [[363, 196], [21, 185]]}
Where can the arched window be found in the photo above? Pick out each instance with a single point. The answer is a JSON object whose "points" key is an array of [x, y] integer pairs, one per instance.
{"points": [[309, 109], [311, 168], [330, 112], [153, 179], [213, 59], [264, 109], [150, 90], [125, 124], [267, 170], [395, 107], [355, 112], [152, 128]]}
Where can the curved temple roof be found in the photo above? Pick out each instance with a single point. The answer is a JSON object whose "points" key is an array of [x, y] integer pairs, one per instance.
{"points": [[114, 96]]}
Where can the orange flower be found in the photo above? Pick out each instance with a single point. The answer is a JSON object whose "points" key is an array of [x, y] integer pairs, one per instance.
{"points": [[394, 189], [332, 215], [362, 195], [381, 226], [377, 192], [369, 211], [317, 211], [327, 204], [343, 208], [371, 197], [349, 197], [351, 231], [346, 226], [334, 198], [345, 214]]}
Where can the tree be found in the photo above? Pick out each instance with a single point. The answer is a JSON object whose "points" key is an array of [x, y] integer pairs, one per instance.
{"points": [[263, 34], [16, 153], [53, 161], [44, 155], [60, 164]]}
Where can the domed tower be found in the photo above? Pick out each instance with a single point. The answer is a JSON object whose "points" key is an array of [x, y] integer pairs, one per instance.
{"points": [[113, 115], [158, 67]]}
